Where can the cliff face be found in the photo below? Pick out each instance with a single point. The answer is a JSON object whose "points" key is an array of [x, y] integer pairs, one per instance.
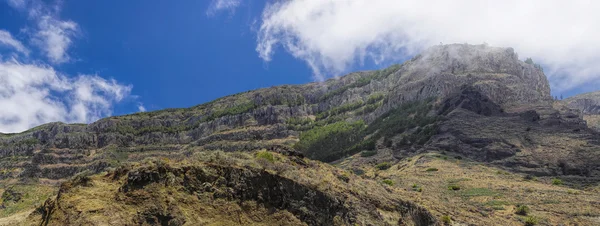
{"points": [[275, 118], [589, 105]]}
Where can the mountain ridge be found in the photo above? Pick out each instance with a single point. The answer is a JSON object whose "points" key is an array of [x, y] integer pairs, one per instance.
{"points": [[474, 103]]}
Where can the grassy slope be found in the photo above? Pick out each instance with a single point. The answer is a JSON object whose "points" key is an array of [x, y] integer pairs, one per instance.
{"points": [[487, 195]]}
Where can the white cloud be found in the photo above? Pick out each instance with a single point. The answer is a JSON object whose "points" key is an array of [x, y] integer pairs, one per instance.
{"points": [[332, 36], [52, 35], [141, 108], [55, 37], [32, 94], [220, 5], [7, 39]]}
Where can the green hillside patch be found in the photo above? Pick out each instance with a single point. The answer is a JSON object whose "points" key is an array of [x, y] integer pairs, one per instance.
{"points": [[407, 116], [330, 142]]}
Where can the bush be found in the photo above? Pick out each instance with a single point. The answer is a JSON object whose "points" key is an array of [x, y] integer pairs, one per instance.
{"points": [[522, 210], [531, 221], [453, 187], [431, 169], [388, 182], [383, 166], [446, 220], [358, 172], [557, 181], [265, 155]]}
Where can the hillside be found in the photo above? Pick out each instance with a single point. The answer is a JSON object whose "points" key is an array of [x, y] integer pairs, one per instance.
{"points": [[487, 117], [589, 105]]}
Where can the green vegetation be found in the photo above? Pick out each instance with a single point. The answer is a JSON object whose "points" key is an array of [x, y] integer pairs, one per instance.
{"points": [[330, 142], [368, 153], [453, 187], [266, 156], [473, 192], [530, 61], [496, 203], [522, 210], [28, 141], [30, 197], [374, 98], [284, 99], [446, 220], [388, 182], [383, 166], [531, 221], [369, 108], [358, 172], [237, 109], [362, 81], [417, 188], [299, 124], [408, 116], [340, 110], [116, 156], [557, 181], [343, 177], [431, 169]]}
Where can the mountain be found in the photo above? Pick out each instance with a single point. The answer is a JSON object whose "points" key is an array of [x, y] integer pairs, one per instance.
{"points": [[589, 105], [468, 126]]}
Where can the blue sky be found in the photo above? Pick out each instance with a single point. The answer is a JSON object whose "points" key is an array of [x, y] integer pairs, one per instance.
{"points": [[83, 60]]}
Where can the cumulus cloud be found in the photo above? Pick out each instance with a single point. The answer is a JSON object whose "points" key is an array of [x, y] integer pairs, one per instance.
{"points": [[333, 36], [33, 94], [220, 5], [7, 39]]}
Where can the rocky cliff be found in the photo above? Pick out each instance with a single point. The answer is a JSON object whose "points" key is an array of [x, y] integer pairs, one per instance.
{"points": [[273, 117], [589, 105]]}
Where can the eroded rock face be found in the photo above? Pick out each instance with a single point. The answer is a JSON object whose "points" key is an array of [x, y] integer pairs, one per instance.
{"points": [[588, 105], [160, 194], [525, 141]]}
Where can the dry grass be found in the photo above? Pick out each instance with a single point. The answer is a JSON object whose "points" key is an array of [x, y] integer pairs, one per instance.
{"points": [[593, 121], [101, 202], [487, 195]]}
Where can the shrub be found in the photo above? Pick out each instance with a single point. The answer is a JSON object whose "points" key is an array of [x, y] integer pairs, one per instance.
{"points": [[388, 182], [265, 155], [358, 172], [446, 220], [453, 187], [522, 210], [383, 166], [431, 169], [557, 181], [531, 221], [528, 177]]}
